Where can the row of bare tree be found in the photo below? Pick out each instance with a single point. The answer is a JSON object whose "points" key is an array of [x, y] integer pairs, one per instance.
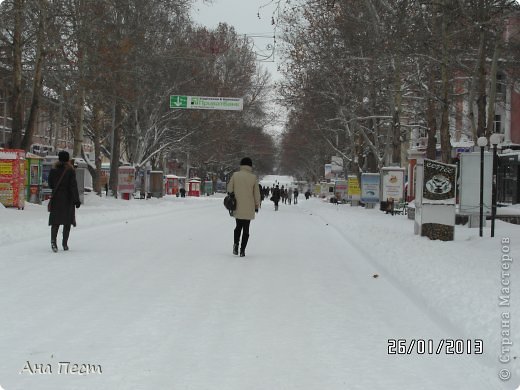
{"points": [[105, 70], [361, 76]]}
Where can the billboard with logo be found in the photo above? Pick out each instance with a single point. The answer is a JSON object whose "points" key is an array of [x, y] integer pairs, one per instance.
{"points": [[392, 183], [439, 183]]}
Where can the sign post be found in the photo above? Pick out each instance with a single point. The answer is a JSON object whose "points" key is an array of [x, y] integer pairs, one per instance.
{"points": [[206, 103]]}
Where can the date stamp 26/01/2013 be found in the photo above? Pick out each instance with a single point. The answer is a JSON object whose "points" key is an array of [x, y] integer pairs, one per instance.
{"points": [[432, 347]]}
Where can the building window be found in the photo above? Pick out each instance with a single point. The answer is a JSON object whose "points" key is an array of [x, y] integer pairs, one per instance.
{"points": [[500, 83], [498, 124]]}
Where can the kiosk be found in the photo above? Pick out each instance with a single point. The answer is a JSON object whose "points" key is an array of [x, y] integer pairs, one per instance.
{"points": [[12, 178], [171, 186], [126, 181], [33, 178], [194, 187]]}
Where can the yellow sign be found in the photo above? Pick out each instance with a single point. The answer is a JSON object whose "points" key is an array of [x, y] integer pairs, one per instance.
{"points": [[353, 186], [6, 168]]}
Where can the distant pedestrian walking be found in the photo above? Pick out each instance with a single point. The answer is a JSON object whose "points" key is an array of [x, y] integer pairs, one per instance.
{"points": [[275, 197], [295, 193], [247, 193], [65, 196]]}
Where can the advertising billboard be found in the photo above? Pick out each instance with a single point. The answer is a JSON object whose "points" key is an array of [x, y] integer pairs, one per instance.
{"points": [[354, 192], [392, 183], [470, 183], [439, 183], [370, 187]]}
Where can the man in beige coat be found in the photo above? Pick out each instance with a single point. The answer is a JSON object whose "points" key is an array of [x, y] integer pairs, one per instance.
{"points": [[245, 186]]}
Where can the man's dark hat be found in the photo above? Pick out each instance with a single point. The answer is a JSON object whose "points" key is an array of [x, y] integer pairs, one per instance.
{"points": [[246, 161], [63, 156]]}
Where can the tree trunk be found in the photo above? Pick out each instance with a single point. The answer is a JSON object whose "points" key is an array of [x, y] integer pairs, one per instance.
{"points": [[17, 94], [473, 87], [396, 125], [78, 130], [481, 100], [116, 148], [492, 90], [37, 83], [97, 130], [445, 125], [431, 148]]}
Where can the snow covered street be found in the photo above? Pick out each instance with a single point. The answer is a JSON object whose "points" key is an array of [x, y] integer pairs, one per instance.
{"points": [[150, 297]]}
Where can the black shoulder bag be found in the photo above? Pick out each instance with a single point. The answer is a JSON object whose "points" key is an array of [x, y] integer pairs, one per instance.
{"points": [[54, 190], [230, 202]]}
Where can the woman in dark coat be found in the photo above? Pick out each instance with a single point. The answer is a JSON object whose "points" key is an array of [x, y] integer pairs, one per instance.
{"points": [[276, 197], [65, 197]]}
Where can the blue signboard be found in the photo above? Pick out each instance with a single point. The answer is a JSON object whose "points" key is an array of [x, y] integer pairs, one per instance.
{"points": [[370, 183]]}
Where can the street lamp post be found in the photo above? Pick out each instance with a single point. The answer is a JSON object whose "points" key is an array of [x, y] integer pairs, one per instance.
{"points": [[481, 142], [494, 140]]}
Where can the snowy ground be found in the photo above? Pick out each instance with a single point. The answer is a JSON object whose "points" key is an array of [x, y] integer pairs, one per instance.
{"points": [[151, 296]]}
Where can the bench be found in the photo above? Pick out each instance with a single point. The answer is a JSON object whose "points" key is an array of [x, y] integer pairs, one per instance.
{"points": [[400, 208], [392, 207]]}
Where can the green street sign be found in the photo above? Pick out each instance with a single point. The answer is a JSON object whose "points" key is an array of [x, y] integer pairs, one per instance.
{"points": [[177, 101], [206, 103]]}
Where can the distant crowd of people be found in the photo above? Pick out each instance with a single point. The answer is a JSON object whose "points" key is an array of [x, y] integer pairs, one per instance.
{"points": [[286, 195]]}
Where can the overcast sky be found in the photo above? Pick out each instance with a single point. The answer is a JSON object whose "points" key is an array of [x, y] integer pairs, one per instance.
{"points": [[243, 16]]}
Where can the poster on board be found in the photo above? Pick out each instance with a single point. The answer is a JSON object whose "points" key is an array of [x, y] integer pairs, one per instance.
{"points": [[370, 187], [354, 192], [328, 171], [392, 183], [126, 179], [439, 183]]}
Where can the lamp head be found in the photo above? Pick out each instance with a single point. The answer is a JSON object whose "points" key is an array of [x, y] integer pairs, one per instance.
{"points": [[495, 139], [482, 141]]}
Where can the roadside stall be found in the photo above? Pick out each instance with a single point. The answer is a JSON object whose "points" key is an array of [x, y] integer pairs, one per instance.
{"points": [[156, 184], [208, 187], [194, 187], [340, 190], [171, 186], [126, 181], [12, 178]]}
